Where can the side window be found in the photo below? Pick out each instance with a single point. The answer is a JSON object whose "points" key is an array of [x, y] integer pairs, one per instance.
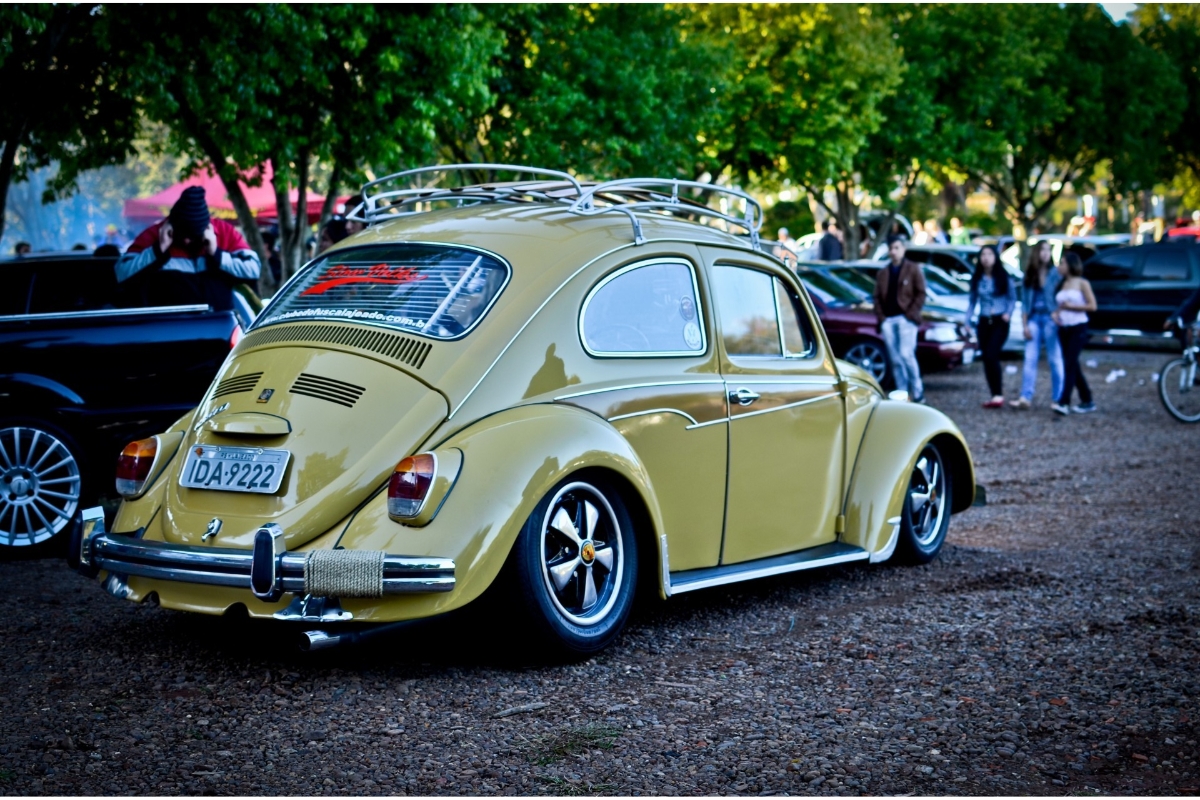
{"points": [[59, 287], [1114, 265], [1169, 264], [16, 290], [758, 314], [649, 309]]}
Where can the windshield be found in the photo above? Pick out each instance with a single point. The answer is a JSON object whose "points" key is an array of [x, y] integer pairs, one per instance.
{"points": [[435, 291], [830, 290], [856, 279], [941, 283]]}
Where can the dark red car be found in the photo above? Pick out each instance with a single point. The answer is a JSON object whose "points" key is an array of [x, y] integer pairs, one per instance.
{"points": [[848, 315]]}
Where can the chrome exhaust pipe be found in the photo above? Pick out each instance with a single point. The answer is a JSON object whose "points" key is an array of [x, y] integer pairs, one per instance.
{"points": [[320, 640]]}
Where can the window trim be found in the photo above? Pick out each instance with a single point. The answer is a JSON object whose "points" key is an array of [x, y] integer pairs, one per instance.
{"points": [[680, 260], [261, 320], [784, 355]]}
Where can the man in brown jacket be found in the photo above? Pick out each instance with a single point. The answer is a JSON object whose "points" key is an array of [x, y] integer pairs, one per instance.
{"points": [[899, 298]]}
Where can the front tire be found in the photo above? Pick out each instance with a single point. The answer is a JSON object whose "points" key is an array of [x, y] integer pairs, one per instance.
{"points": [[927, 503], [575, 564], [41, 486]]}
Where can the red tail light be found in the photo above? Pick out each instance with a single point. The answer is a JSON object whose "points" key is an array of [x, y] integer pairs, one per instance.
{"points": [[235, 337], [133, 467], [410, 485]]}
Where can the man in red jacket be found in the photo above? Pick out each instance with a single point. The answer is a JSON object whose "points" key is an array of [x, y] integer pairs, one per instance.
{"points": [[188, 258]]}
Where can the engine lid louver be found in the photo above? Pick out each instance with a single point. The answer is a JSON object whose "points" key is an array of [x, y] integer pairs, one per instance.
{"points": [[404, 349], [334, 391], [237, 384]]}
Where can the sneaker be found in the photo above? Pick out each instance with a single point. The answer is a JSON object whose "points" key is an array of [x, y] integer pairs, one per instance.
{"points": [[1058, 408], [995, 402], [919, 400], [1086, 408], [1021, 403]]}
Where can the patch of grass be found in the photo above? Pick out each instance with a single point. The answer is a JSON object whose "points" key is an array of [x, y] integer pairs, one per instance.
{"points": [[574, 742], [6, 775], [564, 787]]}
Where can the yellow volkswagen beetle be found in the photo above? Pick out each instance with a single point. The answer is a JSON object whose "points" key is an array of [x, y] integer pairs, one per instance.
{"points": [[543, 388]]}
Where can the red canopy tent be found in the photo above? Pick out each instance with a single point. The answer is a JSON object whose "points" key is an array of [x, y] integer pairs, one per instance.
{"points": [[144, 211]]}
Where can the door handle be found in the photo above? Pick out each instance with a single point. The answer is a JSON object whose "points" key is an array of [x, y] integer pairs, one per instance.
{"points": [[743, 396]]}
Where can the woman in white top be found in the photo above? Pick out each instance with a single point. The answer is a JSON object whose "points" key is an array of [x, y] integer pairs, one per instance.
{"points": [[1075, 299]]}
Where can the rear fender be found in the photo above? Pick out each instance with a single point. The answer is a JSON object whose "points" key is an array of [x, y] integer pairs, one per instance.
{"points": [[510, 461], [891, 444]]}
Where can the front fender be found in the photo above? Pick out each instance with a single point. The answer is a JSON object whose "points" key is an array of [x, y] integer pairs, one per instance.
{"points": [[890, 446], [511, 460], [24, 393]]}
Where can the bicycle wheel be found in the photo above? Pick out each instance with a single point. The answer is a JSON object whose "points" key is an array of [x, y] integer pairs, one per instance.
{"points": [[1179, 388]]}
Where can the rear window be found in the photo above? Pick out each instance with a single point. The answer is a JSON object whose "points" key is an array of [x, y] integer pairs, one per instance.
{"points": [[435, 291]]}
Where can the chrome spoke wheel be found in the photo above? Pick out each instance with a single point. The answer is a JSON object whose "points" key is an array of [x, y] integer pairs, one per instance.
{"points": [[39, 486], [870, 357], [581, 554], [927, 497], [1179, 388]]}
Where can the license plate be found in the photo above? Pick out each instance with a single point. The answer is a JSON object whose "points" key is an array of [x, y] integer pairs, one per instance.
{"points": [[968, 355], [234, 469]]}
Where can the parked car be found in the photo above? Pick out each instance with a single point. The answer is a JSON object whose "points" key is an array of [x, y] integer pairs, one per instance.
{"points": [[85, 370], [1083, 246], [1137, 288], [543, 395], [848, 315]]}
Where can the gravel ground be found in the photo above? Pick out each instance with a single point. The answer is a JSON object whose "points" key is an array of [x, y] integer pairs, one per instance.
{"points": [[1051, 649]]}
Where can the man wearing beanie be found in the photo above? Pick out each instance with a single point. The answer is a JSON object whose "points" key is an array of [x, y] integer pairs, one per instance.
{"points": [[188, 258]]}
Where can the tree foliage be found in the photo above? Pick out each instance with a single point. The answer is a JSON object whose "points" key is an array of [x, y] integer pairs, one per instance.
{"points": [[1173, 30], [62, 96], [603, 90]]}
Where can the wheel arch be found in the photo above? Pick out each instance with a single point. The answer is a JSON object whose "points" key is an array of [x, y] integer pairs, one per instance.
{"points": [[500, 484], [892, 442]]}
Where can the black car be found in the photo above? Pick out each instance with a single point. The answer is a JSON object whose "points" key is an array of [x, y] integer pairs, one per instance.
{"points": [[1137, 288], [86, 368]]}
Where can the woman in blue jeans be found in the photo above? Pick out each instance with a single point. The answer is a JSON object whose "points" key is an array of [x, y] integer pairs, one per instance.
{"points": [[1038, 297]]}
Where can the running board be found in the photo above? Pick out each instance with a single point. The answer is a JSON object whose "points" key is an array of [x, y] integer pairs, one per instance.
{"points": [[825, 555]]}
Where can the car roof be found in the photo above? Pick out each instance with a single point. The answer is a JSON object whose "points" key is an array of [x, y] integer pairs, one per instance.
{"points": [[946, 248], [57, 257]]}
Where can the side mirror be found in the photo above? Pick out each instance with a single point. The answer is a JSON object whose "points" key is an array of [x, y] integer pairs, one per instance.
{"points": [[899, 395]]}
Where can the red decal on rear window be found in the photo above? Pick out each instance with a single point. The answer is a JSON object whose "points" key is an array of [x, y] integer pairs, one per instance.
{"points": [[340, 275]]}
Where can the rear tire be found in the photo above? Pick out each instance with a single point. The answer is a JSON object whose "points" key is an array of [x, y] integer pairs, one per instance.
{"points": [[1178, 389], [575, 568], [41, 487], [926, 514]]}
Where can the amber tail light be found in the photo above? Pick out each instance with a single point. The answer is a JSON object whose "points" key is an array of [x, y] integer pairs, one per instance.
{"points": [[133, 466], [410, 484]]}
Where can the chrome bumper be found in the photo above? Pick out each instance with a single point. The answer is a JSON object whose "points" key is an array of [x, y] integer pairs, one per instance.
{"points": [[267, 570]]}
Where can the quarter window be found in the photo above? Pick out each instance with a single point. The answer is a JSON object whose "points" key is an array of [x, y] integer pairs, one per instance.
{"points": [[650, 309], [1114, 265], [758, 314]]}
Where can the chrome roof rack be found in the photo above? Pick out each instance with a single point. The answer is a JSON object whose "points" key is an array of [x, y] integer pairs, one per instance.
{"points": [[625, 196]]}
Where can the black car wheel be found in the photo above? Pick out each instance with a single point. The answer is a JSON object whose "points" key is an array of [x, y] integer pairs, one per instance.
{"points": [[871, 356], [575, 566], [41, 484], [927, 504]]}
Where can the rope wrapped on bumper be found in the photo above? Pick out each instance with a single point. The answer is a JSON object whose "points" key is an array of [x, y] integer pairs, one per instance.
{"points": [[344, 573]]}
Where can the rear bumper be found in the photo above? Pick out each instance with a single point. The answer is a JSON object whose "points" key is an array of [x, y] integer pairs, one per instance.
{"points": [[267, 570]]}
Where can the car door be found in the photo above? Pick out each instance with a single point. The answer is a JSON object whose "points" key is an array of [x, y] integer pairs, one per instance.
{"points": [[786, 429], [1110, 274], [647, 327], [1164, 282]]}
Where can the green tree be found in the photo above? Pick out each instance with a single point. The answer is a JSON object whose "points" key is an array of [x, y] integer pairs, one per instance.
{"points": [[1035, 97], [62, 101], [242, 87], [601, 90], [806, 90], [1173, 30]]}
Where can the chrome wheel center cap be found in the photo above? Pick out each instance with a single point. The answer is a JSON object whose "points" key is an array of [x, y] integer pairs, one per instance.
{"points": [[588, 552], [19, 486]]}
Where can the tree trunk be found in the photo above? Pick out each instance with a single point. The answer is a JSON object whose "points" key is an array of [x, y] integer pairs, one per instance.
{"points": [[330, 198], [847, 217], [283, 215], [7, 159]]}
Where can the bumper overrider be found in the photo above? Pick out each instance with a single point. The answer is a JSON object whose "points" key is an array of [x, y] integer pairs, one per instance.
{"points": [[268, 569]]}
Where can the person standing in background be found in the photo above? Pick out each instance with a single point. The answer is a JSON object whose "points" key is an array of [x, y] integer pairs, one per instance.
{"points": [[22, 249], [958, 234], [933, 230], [919, 234], [1038, 289], [1074, 300], [996, 297], [829, 248], [188, 258], [899, 299]]}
